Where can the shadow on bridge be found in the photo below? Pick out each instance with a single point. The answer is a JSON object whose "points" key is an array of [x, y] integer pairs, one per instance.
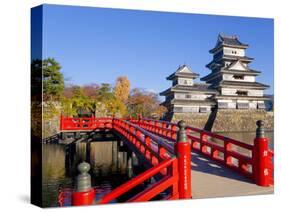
{"points": [[211, 179], [202, 164]]}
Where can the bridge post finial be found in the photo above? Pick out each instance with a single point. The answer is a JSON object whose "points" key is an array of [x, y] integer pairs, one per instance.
{"points": [[84, 193], [261, 156], [181, 135], [83, 180], [260, 132], [183, 151]]}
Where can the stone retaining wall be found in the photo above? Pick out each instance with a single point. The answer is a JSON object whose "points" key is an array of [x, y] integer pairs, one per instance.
{"points": [[229, 120], [198, 120]]}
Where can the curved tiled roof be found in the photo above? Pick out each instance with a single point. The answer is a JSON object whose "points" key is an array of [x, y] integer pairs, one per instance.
{"points": [[230, 40], [239, 83], [224, 40], [187, 75], [201, 87], [182, 71]]}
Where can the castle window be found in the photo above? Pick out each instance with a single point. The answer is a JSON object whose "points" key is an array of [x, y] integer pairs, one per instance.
{"points": [[238, 77], [242, 93], [242, 105], [203, 109], [187, 96]]}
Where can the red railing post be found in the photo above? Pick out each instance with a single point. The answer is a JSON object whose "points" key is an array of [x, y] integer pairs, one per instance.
{"points": [[203, 139], [139, 118], [261, 157], [227, 157], [84, 194], [132, 133], [113, 122], [91, 122], [183, 150], [138, 133], [173, 133]]}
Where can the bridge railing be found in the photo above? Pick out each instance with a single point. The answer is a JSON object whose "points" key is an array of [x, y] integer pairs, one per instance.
{"points": [[271, 166], [172, 168], [169, 180], [234, 154], [152, 146], [64, 197], [161, 157], [157, 149], [84, 123]]}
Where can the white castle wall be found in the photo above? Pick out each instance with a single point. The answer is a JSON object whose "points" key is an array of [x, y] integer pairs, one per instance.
{"points": [[185, 81], [232, 91], [230, 77], [232, 104], [234, 51], [191, 96], [190, 108]]}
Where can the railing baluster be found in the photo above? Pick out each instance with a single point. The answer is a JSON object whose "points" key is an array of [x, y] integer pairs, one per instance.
{"points": [[227, 157], [203, 139]]}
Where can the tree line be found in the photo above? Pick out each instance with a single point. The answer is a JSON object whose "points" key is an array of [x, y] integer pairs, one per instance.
{"points": [[95, 99]]}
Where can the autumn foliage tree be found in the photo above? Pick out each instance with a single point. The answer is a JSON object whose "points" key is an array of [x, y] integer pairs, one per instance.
{"points": [[119, 101], [77, 102], [122, 89], [144, 103], [91, 90], [88, 99], [113, 103]]}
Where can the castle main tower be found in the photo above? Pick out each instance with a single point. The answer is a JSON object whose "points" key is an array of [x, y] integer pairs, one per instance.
{"points": [[232, 77]]}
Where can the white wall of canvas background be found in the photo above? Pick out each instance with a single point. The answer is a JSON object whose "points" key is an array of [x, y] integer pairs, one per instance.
{"points": [[14, 101]]}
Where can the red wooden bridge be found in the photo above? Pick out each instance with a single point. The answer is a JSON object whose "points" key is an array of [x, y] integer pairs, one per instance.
{"points": [[192, 163]]}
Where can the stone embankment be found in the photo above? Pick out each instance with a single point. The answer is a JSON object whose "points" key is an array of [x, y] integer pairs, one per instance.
{"points": [[229, 120]]}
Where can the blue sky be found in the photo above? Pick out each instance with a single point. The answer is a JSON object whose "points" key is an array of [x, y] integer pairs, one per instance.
{"points": [[95, 45]]}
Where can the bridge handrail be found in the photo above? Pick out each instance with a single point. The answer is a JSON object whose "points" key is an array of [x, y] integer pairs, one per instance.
{"points": [[82, 123], [225, 152], [51, 139], [211, 134], [159, 140], [138, 180], [181, 149]]}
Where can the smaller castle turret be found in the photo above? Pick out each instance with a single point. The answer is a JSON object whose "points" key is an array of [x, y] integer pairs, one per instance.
{"points": [[185, 95]]}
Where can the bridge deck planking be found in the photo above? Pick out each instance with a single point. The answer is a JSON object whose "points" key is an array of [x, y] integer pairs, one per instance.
{"points": [[211, 179]]}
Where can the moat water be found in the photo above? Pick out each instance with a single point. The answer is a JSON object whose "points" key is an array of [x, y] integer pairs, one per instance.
{"points": [[112, 164]]}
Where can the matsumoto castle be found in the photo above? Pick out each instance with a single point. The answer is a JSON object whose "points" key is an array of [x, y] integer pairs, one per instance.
{"points": [[231, 84]]}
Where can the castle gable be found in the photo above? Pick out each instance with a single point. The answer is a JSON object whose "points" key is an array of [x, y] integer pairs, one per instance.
{"points": [[237, 65], [184, 69]]}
